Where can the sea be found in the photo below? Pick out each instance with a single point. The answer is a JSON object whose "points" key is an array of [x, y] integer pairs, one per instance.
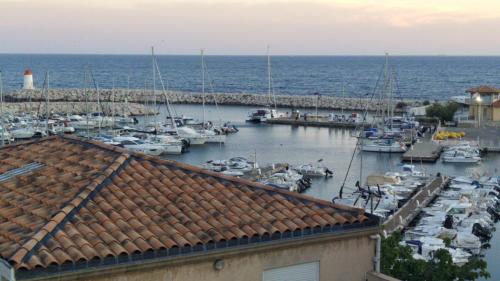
{"points": [[417, 77], [426, 78]]}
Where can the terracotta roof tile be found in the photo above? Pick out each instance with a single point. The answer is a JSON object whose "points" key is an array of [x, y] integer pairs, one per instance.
{"points": [[92, 201]]}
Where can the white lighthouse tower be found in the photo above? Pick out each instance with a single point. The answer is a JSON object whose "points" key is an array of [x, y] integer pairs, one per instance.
{"points": [[28, 80]]}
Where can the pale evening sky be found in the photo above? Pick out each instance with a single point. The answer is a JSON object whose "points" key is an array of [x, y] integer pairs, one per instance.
{"points": [[300, 27]]}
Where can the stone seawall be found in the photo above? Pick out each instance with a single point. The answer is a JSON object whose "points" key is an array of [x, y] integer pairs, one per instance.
{"points": [[139, 96]]}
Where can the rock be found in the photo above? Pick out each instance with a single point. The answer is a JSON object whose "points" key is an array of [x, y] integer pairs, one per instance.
{"points": [[140, 96]]}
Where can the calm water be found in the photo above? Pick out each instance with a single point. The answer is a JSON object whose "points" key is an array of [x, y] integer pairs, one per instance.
{"points": [[300, 145], [435, 77]]}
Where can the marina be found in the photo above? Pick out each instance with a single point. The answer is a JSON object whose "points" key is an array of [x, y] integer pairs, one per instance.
{"points": [[387, 165], [266, 140]]}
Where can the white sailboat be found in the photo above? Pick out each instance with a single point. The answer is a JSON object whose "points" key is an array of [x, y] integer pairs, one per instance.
{"points": [[263, 114], [210, 135]]}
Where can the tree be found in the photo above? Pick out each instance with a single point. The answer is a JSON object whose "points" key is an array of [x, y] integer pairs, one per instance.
{"points": [[397, 261], [443, 112], [426, 102]]}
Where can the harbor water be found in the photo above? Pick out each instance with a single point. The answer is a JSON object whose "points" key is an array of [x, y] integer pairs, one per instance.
{"points": [[301, 145]]}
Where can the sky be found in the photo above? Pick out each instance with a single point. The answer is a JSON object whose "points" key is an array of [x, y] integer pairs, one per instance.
{"points": [[236, 27]]}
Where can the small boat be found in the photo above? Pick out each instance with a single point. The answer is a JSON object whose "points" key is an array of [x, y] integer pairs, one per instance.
{"points": [[310, 170], [137, 145], [459, 156], [383, 145], [261, 115]]}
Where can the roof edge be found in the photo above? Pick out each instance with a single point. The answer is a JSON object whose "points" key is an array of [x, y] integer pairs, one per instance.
{"points": [[154, 261]]}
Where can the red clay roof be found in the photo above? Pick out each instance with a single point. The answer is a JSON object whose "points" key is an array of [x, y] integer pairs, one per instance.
{"points": [[483, 90], [496, 104], [93, 203]]}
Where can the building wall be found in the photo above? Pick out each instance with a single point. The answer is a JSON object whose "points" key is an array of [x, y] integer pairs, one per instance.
{"points": [[347, 259], [496, 114]]}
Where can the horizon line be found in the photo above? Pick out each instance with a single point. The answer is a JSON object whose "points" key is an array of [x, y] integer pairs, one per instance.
{"points": [[259, 55]]}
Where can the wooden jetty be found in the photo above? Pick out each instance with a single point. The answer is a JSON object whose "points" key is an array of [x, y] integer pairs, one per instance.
{"points": [[426, 151], [313, 122], [407, 213]]}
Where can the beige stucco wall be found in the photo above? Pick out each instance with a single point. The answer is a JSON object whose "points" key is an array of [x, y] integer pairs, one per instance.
{"points": [[496, 114], [347, 259]]}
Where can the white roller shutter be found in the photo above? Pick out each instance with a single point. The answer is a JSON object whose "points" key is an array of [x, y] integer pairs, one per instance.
{"points": [[300, 272]]}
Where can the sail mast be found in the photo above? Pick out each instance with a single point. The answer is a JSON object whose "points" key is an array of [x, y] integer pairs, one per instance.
{"points": [[154, 89], [1, 108], [203, 86], [47, 103]]}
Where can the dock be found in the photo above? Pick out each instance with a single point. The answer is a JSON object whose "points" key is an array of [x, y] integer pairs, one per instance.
{"points": [[426, 151], [313, 123], [407, 213]]}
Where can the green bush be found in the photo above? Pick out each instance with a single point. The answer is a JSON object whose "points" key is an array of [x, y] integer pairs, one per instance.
{"points": [[443, 112], [397, 261]]}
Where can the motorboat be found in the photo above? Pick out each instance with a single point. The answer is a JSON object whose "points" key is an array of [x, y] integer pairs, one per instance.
{"points": [[261, 115], [212, 137], [81, 123], [458, 156], [23, 133], [383, 145], [137, 145], [310, 170]]}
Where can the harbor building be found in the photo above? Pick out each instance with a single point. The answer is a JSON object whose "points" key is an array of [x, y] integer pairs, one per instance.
{"points": [[72, 209], [484, 104]]}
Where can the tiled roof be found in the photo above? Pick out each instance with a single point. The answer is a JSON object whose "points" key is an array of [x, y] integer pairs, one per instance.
{"points": [[483, 90], [93, 204]]}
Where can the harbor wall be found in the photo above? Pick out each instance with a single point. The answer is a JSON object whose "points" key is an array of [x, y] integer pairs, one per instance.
{"points": [[141, 96]]}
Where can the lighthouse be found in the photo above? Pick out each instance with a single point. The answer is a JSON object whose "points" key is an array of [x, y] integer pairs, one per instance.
{"points": [[28, 80]]}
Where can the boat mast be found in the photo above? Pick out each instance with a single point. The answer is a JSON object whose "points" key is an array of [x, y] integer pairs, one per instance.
{"points": [[343, 96], [113, 105], [203, 86], [270, 92], [1, 108], [47, 103], [86, 94], [154, 89], [169, 109]]}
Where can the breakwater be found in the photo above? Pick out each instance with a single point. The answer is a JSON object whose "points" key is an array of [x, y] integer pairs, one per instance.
{"points": [[148, 97]]}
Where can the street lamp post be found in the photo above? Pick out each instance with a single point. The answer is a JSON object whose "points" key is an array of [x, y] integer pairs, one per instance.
{"points": [[478, 101]]}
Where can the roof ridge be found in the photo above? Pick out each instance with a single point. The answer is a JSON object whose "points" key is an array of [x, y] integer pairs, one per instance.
{"points": [[211, 173], [245, 182], [75, 204]]}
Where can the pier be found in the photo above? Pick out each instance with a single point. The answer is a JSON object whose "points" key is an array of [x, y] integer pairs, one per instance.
{"points": [[313, 123], [426, 151], [405, 215]]}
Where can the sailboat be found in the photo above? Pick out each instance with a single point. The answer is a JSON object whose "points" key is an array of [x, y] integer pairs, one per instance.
{"points": [[263, 114], [210, 135], [387, 142]]}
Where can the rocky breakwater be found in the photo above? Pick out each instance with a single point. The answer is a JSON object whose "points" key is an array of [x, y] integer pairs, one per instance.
{"points": [[141, 96]]}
